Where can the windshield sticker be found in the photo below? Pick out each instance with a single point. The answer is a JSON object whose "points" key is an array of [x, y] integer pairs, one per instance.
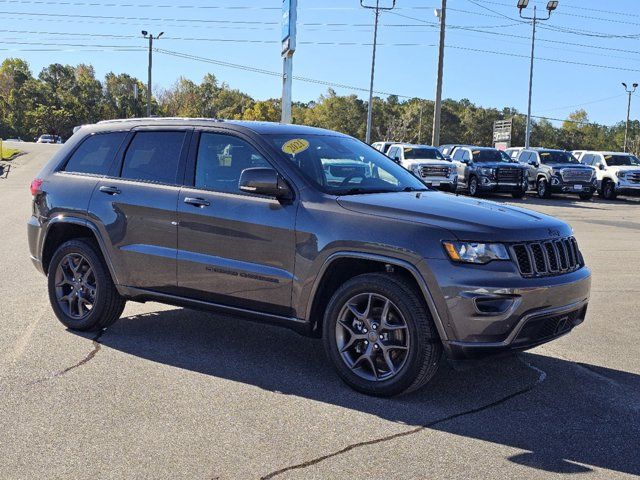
{"points": [[545, 154], [407, 149], [295, 146], [607, 157], [476, 152]]}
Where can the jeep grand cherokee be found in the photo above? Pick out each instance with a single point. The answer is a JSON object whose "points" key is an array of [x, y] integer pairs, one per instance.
{"points": [[244, 218]]}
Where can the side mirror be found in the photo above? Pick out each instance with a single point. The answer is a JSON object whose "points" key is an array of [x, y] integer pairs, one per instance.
{"points": [[466, 160], [534, 163], [601, 166], [264, 181]]}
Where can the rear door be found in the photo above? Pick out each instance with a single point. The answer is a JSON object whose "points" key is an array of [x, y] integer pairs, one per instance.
{"points": [[136, 208], [234, 248]]}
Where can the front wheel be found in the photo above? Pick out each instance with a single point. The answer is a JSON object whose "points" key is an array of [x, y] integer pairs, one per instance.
{"points": [[380, 336], [586, 196], [81, 291], [543, 188], [609, 190], [473, 187], [519, 194]]}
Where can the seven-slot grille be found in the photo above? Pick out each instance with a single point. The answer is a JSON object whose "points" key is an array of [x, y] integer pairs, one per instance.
{"points": [[434, 171], [576, 174], [547, 258], [509, 174], [634, 176]]}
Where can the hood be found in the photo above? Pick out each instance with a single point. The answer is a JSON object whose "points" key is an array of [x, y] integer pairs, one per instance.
{"points": [[466, 218], [499, 164], [579, 166], [415, 162]]}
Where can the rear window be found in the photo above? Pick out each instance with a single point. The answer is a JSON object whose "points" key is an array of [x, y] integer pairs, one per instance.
{"points": [[153, 157], [95, 155]]}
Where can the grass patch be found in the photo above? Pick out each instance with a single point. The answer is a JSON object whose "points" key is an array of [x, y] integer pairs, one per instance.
{"points": [[9, 153]]}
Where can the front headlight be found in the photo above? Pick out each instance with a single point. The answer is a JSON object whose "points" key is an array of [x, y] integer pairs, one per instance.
{"points": [[487, 171], [621, 174], [470, 252]]}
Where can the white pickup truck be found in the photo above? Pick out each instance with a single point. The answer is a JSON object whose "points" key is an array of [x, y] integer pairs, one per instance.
{"points": [[427, 163], [618, 173]]}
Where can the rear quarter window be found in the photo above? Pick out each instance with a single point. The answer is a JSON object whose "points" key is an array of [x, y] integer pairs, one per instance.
{"points": [[95, 154]]}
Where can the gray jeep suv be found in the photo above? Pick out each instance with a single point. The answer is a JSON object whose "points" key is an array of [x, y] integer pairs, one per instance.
{"points": [[244, 218]]}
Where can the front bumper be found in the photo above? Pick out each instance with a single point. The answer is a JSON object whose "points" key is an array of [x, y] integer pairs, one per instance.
{"points": [[488, 309], [441, 183], [628, 188], [35, 237], [487, 184]]}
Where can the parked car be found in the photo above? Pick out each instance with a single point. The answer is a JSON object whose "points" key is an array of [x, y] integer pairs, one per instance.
{"points": [[49, 139], [241, 218], [557, 171], [447, 150], [513, 152], [617, 173], [382, 146], [15, 140], [427, 163], [486, 170]]}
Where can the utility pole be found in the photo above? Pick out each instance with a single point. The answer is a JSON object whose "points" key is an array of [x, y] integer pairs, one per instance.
{"points": [[522, 4], [377, 9], [289, 33], [437, 107], [150, 36], [626, 129]]}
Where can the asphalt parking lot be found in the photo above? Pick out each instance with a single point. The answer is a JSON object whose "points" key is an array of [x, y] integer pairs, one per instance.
{"points": [[173, 393]]}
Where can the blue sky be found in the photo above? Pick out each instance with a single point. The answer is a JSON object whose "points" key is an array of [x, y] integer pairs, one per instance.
{"points": [[334, 39]]}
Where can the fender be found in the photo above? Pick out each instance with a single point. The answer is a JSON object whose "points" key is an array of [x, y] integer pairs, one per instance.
{"points": [[426, 293], [84, 223]]}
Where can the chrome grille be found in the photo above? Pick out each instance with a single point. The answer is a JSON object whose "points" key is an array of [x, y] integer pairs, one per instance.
{"points": [[550, 257], [576, 174], [509, 174], [434, 171], [634, 177]]}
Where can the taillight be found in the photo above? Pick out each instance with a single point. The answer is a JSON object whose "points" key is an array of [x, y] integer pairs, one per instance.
{"points": [[35, 186]]}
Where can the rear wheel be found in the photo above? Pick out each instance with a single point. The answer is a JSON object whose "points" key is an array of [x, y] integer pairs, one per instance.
{"points": [[81, 291], [543, 188], [380, 336]]}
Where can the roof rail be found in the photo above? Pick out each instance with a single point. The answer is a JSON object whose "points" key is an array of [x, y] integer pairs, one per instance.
{"points": [[159, 119]]}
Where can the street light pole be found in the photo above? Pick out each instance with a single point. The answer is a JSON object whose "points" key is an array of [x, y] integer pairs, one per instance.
{"points": [[522, 4], [377, 9], [437, 108], [150, 36], [626, 129]]}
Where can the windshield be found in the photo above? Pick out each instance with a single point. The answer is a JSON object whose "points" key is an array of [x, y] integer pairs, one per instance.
{"points": [[422, 153], [488, 155], [343, 165], [621, 160], [557, 157]]}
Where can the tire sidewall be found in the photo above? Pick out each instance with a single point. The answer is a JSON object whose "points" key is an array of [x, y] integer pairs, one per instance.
{"points": [[474, 192], [543, 188], [418, 341], [92, 320]]}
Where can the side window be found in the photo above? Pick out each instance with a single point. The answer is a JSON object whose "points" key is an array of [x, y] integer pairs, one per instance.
{"points": [[524, 157], [221, 159], [599, 159], [153, 156], [587, 159], [457, 155], [95, 154], [466, 155]]}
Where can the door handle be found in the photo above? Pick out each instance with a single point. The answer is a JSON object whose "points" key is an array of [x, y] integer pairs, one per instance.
{"points": [[109, 190], [197, 202]]}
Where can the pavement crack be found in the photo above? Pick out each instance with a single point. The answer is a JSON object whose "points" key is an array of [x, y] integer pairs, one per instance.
{"points": [[541, 378], [87, 358]]}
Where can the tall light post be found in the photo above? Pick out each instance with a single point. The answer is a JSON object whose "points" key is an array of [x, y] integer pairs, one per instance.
{"points": [[377, 9], [150, 36], [289, 34], [629, 92], [437, 107], [522, 4]]}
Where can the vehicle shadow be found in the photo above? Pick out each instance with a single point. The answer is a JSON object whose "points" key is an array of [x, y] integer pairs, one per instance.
{"points": [[571, 201], [567, 417]]}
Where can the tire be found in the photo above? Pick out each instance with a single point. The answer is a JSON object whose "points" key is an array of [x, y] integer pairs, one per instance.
{"points": [[473, 187], [519, 194], [609, 190], [586, 196], [412, 367], [71, 291], [543, 188]]}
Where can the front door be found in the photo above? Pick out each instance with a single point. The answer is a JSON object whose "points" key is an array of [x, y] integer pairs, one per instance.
{"points": [[137, 210], [234, 248]]}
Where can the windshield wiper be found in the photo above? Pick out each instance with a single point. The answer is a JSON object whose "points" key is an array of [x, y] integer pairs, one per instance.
{"points": [[414, 189]]}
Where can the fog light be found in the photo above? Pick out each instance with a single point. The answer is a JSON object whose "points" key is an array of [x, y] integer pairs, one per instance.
{"points": [[555, 181]]}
